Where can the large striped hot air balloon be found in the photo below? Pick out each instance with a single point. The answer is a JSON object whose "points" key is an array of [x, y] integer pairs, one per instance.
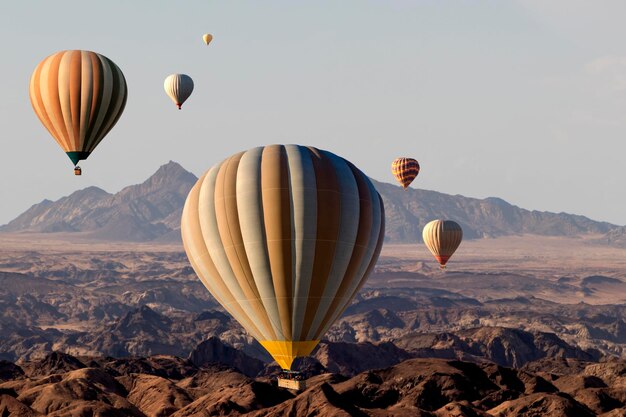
{"points": [[178, 87], [405, 170], [284, 236], [442, 237], [78, 96]]}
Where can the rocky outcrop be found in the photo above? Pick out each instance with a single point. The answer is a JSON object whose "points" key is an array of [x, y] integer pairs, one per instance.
{"points": [[55, 362], [415, 387], [213, 351]]}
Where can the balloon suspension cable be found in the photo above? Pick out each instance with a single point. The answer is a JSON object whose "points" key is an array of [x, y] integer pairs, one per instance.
{"points": [[179, 106]]}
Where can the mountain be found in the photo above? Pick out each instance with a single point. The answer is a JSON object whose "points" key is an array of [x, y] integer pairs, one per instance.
{"points": [[408, 211], [213, 351], [503, 346], [146, 211], [151, 211], [615, 237]]}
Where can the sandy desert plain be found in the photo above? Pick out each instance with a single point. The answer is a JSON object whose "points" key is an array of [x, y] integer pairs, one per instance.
{"points": [[513, 266], [516, 325]]}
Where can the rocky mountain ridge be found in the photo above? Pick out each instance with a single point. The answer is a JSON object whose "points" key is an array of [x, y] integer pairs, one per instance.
{"points": [[62, 385], [151, 211]]}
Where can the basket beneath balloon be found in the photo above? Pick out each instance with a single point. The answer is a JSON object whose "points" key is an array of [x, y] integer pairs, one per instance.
{"points": [[292, 384]]}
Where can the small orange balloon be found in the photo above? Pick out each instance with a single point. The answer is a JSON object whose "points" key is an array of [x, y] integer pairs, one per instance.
{"points": [[405, 170]]}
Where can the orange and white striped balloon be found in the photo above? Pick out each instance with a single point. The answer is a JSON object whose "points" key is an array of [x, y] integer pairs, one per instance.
{"points": [[78, 96]]}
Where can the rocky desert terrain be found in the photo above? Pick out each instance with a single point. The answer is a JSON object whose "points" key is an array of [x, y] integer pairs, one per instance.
{"points": [[516, 326], [62, 385], [126, 299]]}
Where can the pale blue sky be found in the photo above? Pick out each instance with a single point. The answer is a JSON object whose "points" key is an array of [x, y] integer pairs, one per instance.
{"points": [[523, 100]]}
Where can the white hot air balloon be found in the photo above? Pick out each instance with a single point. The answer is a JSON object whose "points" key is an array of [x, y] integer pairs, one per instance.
{"points": [[178, 87], [442, 237]]}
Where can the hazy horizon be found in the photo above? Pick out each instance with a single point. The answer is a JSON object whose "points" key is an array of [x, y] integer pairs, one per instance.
{"points": [[520, 100]]}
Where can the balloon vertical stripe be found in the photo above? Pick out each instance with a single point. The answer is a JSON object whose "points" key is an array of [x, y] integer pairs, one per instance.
{"points": [[303, 187], [276, 202]]}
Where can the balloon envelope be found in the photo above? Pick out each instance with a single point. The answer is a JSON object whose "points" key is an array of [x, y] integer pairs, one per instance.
{"points": [[442, 237], [207, 38], [405, 170], [283, 236], [78, 96], [178, 87]]}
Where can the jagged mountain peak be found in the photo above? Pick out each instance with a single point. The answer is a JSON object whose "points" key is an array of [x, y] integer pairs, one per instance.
{"points": [[171, 169], [169, 177], [170, 173]]}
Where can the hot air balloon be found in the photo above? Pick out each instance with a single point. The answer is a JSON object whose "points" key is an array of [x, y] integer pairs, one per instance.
{"points": [[207, 38], [78, 96], [405, 170], [442, 237], [178, 87], [283, 236]]}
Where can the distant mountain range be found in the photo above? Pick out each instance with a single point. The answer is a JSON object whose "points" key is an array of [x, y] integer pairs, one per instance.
{"points": [[407, 212], [151, 212]]}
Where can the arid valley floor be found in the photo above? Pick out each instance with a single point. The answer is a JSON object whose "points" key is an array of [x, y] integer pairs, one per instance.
{"points": [[518, 325]]}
